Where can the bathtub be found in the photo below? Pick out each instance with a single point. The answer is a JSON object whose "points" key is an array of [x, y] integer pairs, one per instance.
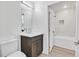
{"points": [[65, 42]]}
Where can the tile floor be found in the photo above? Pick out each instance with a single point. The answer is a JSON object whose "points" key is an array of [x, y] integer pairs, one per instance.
{"points": [[59, 52]]}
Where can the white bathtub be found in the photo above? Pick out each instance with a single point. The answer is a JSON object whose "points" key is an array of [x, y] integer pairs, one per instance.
{"points": [[65, 42]]}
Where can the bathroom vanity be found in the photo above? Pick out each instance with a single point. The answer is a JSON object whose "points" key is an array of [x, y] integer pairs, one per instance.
{"points": [[32, 44]]}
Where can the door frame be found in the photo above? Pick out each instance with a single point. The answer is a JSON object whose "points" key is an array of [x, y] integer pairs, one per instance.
{"points": [[76, 26], [48, 30], [49, 26]]}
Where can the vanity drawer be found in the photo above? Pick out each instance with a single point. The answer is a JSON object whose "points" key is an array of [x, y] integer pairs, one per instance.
{"points": [[37, 38]]}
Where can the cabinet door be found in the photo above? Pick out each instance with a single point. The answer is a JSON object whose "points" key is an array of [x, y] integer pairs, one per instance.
{"points": [[34, 49], [26, 46], [39, 46]]}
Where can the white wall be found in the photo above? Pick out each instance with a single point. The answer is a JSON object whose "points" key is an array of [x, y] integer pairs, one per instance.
{"points": [[10, 20], [40, 22], [68, 28], [27, 17]]}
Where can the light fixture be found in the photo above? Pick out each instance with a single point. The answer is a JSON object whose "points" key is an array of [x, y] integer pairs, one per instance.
{"points": [[65, 6], [27, 4]]}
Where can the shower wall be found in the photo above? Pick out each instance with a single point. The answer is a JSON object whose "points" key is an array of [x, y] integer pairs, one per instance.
{"points": [[65, 22], [64, 31]]}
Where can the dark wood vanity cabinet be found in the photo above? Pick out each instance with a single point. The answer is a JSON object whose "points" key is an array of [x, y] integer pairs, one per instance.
{"points": [[32, 46]]}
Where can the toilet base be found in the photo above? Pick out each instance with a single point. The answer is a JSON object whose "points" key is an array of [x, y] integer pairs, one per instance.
{"points": [[17, 54]]}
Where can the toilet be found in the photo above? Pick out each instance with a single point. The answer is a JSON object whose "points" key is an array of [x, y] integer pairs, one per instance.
{"points": [[9, 48], [17, 54]]}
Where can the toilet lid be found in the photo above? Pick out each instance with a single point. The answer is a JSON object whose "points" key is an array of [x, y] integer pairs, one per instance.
{"points": [[17, 54]]}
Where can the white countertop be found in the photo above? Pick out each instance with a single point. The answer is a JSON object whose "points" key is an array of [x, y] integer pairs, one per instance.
{"points": [[31, 34]]}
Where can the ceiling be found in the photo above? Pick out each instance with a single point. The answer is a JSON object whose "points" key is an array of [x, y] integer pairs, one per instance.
{"points": [[63, 5]]}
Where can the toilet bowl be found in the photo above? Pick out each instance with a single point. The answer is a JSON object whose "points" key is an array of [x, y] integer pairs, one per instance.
{"points": [[10, 48], [17, 54]]}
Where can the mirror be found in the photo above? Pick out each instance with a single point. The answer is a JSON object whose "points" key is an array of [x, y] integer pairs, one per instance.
{"points": [[26, 13]]}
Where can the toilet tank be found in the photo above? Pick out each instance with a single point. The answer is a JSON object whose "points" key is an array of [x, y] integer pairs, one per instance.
{"points": [[8, 47]]}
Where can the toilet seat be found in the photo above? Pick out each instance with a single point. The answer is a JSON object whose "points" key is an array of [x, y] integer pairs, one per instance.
{"points": [[17, 54]]}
